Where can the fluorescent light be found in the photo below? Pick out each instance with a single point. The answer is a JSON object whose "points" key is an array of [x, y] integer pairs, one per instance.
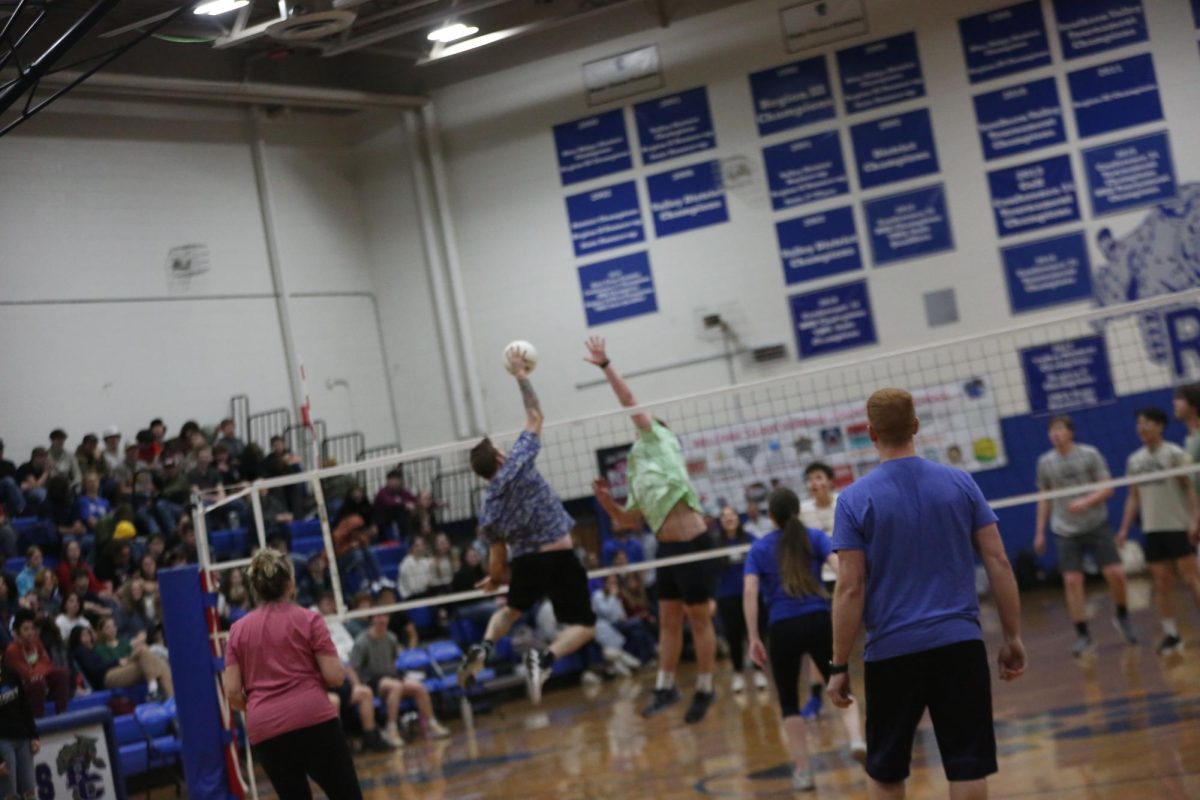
{"points": [[214, 8], [452, 32]]}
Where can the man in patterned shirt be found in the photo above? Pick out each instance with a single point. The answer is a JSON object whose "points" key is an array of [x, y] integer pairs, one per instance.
{"points": [[523, 519]]}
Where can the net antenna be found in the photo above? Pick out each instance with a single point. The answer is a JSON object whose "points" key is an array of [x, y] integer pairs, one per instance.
{"points": [[71, 57]]}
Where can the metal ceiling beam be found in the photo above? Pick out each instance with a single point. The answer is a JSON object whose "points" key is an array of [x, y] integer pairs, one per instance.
{"points": [[420, 23], [231, 92]]}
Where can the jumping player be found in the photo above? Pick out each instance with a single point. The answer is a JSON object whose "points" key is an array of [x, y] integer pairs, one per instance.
{"points": [[1080, 524], [523, 517], [661, 495]]}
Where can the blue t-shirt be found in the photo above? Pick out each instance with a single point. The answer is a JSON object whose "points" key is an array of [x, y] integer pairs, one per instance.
{"points": [[916, 521], [87, 507], [519, 507], [632, 547], [763, 562]]}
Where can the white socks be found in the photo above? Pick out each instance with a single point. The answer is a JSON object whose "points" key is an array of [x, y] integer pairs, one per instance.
{"points": [[704, 683], [665, 680], [1169, 627]]}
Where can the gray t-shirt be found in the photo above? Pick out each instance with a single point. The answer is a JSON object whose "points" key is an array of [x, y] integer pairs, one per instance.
{"points": [[1164, 502], [374, 658], [1192, 445], [1081, 465]]}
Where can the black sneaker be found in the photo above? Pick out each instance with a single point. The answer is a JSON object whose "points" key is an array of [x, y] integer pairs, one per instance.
{"points": [[660, 700], [476, 658], [536, 674], [1169, 646], [699, 707]]}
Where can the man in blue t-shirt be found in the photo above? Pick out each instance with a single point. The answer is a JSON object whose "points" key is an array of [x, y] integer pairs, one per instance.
{"points": [[522, 519], [906, 537]]}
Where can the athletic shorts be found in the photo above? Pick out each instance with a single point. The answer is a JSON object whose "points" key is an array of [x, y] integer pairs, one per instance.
{"points": [[694, 582], [953, 682], [791, 640], [1100, 541], [1168, 546], [556, 575]]}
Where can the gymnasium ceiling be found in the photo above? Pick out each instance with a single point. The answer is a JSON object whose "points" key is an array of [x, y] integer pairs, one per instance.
{"points": [[384, 49]]}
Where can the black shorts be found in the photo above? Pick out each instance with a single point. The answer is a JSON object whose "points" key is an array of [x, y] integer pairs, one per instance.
{"points": [[1168, 546], [694, 582], [791, 640], [556, 575], [1098, 541], [954, 683]]}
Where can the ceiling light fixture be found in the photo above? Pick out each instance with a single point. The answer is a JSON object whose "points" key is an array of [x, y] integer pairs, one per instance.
{"points": [[452, 32], [214, 8]]}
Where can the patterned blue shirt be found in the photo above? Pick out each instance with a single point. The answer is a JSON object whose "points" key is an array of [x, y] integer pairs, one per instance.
{"points": [[519, 507]]}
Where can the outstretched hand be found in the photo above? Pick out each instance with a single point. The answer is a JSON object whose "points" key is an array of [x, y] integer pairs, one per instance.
{"points": [[516, 363], [600, 488], [596, 352]]}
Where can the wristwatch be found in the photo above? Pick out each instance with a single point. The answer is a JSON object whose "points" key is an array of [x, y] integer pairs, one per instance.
{"points": [[838, 669]]}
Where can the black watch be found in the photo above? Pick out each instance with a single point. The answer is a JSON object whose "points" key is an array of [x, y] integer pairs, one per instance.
{"points": [[838, 669]]}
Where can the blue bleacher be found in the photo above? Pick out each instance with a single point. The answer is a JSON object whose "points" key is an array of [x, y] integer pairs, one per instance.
{"points": [[146, 738], [229, 543]]}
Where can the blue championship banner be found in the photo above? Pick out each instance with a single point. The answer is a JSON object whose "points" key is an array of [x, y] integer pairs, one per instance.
{"points": [[806, 170], [1019, 118], [832, 319], [881, 73], [790, 96], [1086, 27], [1032, 196], [818, 245], [1004, 41], [909, 225], [605, 218], [688, 198], [674, 126], [894, 148], [1047, 272], [1066, 376], [617, 289], [592, 147], [1120, 94], [1128, 174]]}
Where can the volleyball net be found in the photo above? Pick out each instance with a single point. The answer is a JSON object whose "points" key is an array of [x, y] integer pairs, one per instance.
{"points": [[984, 402]]}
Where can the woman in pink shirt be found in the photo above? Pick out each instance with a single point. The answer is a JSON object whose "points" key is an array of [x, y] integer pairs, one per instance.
{"points": [[279, 664]]}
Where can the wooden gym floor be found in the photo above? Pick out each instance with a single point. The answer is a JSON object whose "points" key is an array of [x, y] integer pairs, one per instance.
{"points": [[1120, 724]]}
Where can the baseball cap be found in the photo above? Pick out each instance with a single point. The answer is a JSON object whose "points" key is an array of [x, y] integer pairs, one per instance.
{"points": [[111, 431]]}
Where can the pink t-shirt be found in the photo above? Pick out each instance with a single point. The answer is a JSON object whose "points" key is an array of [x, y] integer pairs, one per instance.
{"points": [[276, 646]]}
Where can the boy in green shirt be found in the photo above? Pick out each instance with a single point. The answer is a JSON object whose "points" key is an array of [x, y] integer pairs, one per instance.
{"points": [[662, 496]]}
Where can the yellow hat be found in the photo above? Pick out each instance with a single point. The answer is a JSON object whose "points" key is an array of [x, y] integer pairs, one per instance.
{"points": [[125, 530]]}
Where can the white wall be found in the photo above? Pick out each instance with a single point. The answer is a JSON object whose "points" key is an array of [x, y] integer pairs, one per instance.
{"points": [[95, 196], [520, 272]]}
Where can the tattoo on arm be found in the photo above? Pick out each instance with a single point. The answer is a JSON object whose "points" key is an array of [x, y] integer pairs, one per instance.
{"points": [[529, 396]]}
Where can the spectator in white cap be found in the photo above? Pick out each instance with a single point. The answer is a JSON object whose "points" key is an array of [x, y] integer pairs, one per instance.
{"points": [[112, 447]]}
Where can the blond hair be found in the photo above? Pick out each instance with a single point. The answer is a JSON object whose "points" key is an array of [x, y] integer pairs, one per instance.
{"points": [[892, 416], [269, 574]]}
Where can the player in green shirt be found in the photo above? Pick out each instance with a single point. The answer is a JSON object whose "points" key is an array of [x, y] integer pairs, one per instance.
{"points": [[662, 496]]}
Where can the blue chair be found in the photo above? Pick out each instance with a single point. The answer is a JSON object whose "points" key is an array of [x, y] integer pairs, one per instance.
{"points": [[444, 652], [422, 616], [134, 751], [304, 529], [414, 660], [97, 699], [155, 722]]}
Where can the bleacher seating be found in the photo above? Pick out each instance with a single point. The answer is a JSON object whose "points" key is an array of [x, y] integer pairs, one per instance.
{"points": [[147, 739]]}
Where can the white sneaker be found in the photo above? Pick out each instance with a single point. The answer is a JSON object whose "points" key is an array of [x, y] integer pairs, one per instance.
{"points": [[858, 751], [630, 660], [760, 681], [738, 685], [620, 669], [391, 735], [589, 678], [804, 780], [436, 730]]}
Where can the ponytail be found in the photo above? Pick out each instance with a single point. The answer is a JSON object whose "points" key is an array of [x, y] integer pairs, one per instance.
{"points": [[794, 551]]}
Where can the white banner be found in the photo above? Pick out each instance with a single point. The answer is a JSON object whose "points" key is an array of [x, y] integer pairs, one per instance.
{"points": [[75, 764], [818, 22], [959, 426]]}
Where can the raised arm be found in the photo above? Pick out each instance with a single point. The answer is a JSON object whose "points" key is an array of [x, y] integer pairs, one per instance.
{"points": [[533, 408], [622, 519], [598, 356]]}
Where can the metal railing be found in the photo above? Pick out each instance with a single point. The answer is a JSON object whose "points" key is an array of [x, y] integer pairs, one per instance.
{"points": [[457, 493], [239, 412], [260, 427], [297, 441], [343, 448]]}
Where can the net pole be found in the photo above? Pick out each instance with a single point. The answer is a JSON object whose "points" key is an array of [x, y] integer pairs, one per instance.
{"points": [[260, 527], [335, 575]]}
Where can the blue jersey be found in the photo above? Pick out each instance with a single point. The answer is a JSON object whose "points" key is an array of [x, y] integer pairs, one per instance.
{"points": [[763, 561], [519, 507], [915, 520]]}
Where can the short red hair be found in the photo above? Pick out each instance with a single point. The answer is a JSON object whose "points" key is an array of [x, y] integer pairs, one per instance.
{"points": [[892, 416]]}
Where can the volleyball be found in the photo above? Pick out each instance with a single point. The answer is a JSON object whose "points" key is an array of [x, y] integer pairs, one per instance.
{"points": [[526, 349]]}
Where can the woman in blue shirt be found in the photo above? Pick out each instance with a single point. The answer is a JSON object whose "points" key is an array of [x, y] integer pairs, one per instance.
{"points": [[784, 569], [730, 585]]}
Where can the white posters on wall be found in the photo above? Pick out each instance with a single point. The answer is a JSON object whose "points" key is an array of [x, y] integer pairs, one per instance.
{"points": [[960, 425]]}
